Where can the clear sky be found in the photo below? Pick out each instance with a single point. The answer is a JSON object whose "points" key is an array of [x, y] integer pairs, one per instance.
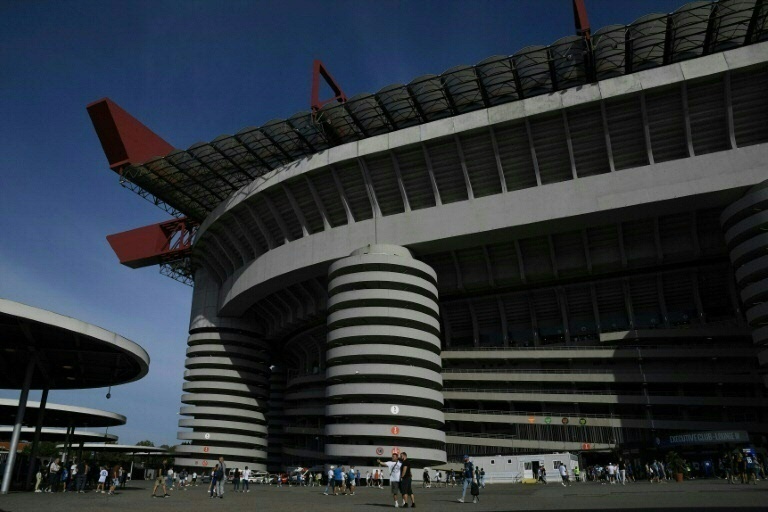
{"points": [[191, 71]]}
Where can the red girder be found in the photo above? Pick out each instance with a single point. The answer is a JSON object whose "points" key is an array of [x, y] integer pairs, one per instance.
{"points": [[155, 244], [124, 139], [581, 19], [318, 70]]}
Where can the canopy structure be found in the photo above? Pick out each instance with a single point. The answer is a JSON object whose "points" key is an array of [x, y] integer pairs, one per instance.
{"points": [[57, 415], [60, 434], [195, 181], [67, 353], [123, 448], [45, 350]]}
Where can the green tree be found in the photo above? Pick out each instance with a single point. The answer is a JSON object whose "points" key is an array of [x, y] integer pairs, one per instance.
{"points": [[45, 449]]}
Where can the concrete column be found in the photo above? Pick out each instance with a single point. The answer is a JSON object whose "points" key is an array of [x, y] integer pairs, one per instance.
{"points": [[225, 388], [276, 418], [6, 486], [36, 440], [67, 441], [384, 386]]}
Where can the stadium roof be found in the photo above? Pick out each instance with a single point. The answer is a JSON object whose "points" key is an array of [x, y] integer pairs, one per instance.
{"points": [[193, 182]]}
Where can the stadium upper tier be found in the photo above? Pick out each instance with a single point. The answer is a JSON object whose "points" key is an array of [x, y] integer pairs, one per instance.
{"points": [[194, 182]]}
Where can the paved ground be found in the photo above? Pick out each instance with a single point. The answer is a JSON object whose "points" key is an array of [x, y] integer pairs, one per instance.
{"points": [[689, 496]]}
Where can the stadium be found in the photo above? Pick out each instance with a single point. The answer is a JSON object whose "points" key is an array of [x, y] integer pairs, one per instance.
{"points": [[558, 250]]}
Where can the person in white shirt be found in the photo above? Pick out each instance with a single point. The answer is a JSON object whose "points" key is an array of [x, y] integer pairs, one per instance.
{"points": [[53, 475], [330, 481], [102, 479], [72, 475], [394, 466], [246, 475], [611, 473], [564, 475]]}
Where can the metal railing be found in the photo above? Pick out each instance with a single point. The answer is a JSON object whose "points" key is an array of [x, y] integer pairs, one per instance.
{"points": [[634, 373], [595, 392]]}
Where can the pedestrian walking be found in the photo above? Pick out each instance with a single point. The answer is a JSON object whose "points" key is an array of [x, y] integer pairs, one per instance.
{"points": [[564, 475], [469, 471], [214, 477], [160, 479], [329, 485]]}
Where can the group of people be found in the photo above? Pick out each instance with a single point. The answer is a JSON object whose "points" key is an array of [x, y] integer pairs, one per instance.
{"points": [[341, 481], [742, 468], [735, 467], [611, 473], [241, 480], [451, 478], [400, 478], [79, 476]]}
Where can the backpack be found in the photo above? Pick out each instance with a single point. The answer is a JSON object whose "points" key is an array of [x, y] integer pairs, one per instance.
{"points": [[475, 489]]}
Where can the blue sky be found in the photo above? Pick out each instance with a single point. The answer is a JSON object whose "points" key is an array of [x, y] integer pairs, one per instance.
{"points": [[191, 71]]}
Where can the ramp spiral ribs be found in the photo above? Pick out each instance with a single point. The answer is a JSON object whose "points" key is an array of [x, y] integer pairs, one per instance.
{"points": [[383, 358], [225, 386]]}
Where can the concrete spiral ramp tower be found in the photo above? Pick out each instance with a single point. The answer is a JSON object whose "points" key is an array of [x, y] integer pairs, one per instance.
{"points": [[225, 389], [745, 223], [383, 358]]}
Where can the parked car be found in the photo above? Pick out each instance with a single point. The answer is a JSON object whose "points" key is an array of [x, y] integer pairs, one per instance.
{"points": [[259, 477]]}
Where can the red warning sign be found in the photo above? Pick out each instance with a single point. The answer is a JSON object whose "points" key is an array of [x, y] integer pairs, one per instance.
{"points": [[586, 446], [395, 451], [379, 451], [206, 449], [531, 419], [395, 430], [205, 463]]}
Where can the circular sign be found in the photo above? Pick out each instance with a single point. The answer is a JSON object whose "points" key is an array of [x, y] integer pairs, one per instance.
{"points": [[394, 409], [379, 451], [586, 446], [582, 421], [205, 463], [565, 421], [206, 449], [547, 420], [395, 430], [395, 450], [207, 436], [531, 419]]}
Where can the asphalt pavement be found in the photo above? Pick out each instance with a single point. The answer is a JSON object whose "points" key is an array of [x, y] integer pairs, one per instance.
{"points": [[697, 495]]}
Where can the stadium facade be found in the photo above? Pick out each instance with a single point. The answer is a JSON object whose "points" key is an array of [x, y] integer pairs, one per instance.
{"points": [[562, 249]]}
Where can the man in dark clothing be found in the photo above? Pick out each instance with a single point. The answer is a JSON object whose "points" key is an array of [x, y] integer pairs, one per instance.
{"points": [[406, 489], [161, 470], [216, 481], [220, 483], [82, 470]]}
